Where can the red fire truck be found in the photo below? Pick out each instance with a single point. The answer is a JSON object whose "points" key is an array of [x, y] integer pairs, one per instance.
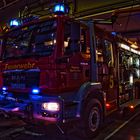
{"points": [[59, 70]]}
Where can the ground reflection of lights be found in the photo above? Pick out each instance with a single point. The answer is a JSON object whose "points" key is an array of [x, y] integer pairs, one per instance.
{"points": [[131, 137]]}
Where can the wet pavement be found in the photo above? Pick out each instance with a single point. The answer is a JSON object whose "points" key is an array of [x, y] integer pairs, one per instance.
{"points": [[115, 128], [131, 131]]}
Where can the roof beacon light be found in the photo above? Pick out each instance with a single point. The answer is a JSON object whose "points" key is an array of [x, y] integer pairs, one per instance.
{"points": [[15, 22], [61, 8]]}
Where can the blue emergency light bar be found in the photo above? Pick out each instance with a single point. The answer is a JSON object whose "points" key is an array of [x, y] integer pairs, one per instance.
{"points": [[61, 8], [15, 22]]}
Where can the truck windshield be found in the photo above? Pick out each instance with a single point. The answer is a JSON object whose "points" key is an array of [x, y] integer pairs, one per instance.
{"points": [[38, 39]]}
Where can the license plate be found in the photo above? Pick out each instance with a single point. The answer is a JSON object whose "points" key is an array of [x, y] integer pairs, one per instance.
{"points": [[18, 85]]}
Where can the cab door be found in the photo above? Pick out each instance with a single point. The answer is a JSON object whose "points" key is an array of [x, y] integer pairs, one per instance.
{"points": [[75, 55]]}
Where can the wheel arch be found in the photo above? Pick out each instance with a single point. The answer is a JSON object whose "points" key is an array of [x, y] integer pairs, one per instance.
{"points": [[90, 91]]}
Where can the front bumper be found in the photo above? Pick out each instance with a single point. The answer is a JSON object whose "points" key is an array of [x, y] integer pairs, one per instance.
{"points": [[31, 109]]}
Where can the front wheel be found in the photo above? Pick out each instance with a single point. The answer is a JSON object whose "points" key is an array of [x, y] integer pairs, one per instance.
{"points": [[91, 119], [94, 119]]}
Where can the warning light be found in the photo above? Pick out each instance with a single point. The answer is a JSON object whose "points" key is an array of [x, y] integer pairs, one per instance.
{"points": [[15, 22], [35, 91], [61, 8]]}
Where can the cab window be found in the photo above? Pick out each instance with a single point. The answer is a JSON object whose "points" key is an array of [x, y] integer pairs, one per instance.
{"points": [[74, 38]]}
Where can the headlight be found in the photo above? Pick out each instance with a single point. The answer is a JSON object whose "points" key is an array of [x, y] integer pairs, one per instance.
{"points": [[51, 106]]}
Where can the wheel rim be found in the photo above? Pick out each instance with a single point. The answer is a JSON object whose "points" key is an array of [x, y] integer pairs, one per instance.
{"points": [[94, 119]]}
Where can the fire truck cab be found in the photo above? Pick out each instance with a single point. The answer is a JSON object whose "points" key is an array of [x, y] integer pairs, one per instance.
{"points": [[58, 69]]}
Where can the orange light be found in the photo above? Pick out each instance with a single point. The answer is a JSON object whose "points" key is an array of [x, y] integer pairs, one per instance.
{"points": [[134, 45], [131, 107]]}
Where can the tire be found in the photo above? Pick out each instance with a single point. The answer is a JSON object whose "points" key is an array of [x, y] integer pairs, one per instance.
{"points": [[91, 119]]}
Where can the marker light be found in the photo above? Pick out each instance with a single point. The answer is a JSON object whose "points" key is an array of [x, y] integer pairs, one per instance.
{"points": [[131, 107], [108, 105], [51, 106], [35, 91], [14, 22]]}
